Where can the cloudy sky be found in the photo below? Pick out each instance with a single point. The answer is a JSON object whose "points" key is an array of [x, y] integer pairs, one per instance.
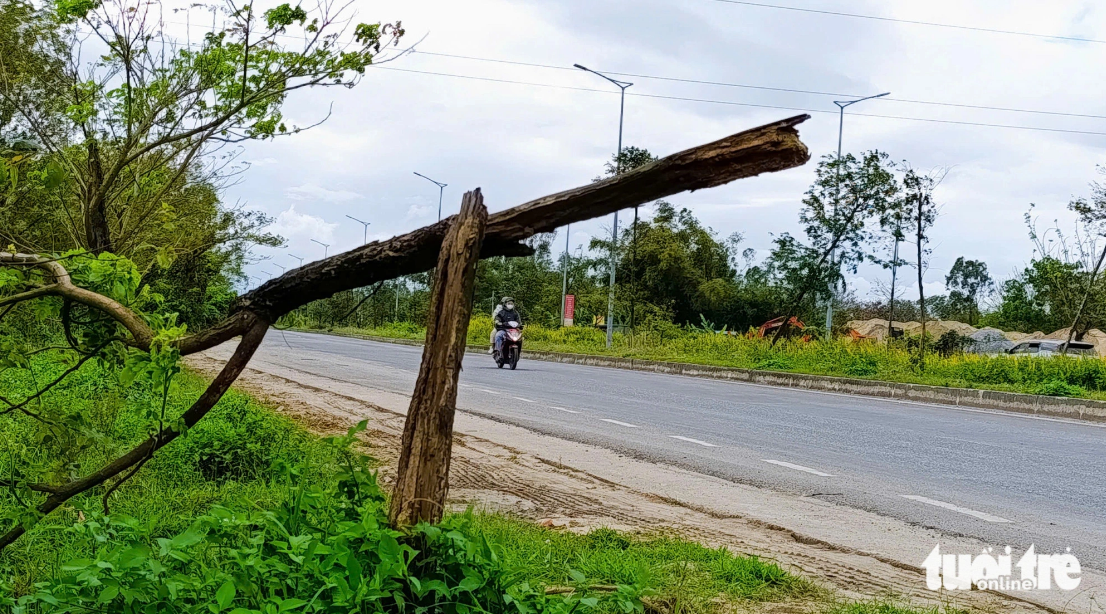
{"points": [[462, 122]]}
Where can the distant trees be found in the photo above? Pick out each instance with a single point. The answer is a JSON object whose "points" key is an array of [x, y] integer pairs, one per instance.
{"points": [[967, 282]]}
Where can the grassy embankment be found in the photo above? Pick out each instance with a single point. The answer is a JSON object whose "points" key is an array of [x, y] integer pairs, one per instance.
{"points": [[224, 498], [1074, 377]]}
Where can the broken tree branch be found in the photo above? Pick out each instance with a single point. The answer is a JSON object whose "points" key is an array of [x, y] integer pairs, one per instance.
{"points": [[422, 478], [769, 148]]}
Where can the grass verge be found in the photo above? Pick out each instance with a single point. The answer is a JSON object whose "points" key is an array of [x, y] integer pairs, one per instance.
{"points": [[246, 474], [1058, 376]]}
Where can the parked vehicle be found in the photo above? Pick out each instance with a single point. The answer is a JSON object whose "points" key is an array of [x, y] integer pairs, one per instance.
{"points": [[512, 347], [1044, 348]]}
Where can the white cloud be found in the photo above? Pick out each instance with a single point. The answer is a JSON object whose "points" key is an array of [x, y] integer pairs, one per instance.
{"points": [[417, 212], [262, 162], [293, 225], [310, 191]]}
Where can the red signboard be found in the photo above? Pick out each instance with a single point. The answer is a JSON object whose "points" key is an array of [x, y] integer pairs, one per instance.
{"points": [[570, 308]]}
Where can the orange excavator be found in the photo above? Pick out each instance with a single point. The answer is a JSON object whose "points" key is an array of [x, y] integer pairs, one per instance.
{"points": [[769, 328]]}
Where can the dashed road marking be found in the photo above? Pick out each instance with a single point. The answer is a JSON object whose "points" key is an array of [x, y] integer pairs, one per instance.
{"points": [[487, 391], [571, 411], [956, 508], [690, 440], [625, 424], [522, 399], [798, 468]]}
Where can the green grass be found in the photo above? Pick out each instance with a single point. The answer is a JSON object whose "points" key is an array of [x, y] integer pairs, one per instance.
{"points": [[230, 459], [680, 570], [1058, 376], [227, 459]]}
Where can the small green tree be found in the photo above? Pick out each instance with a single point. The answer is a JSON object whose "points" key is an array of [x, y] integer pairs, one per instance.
{"points": [[837, 216], [968, 281], [125, 128], [922, 211]]}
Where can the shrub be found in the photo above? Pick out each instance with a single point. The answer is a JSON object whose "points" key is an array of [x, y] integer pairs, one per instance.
{"points": [[1059, 388], [324, 549]]}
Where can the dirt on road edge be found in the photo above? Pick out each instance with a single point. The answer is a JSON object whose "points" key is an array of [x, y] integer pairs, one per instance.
{"points": [[508, 469]]}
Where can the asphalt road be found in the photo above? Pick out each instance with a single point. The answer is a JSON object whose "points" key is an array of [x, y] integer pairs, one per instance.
{"points": [[1005, 479]]}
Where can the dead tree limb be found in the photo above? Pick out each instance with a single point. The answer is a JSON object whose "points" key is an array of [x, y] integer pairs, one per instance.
{"points": [[63, 492], [422, 479], [773, 147], [1083, 303], [769, 148]]}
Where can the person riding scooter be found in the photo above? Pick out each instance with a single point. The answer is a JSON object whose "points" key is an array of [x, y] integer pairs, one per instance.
{"points": [[502, 318]]}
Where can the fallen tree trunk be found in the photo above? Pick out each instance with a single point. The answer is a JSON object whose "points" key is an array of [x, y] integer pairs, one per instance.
{"points": [[422, 478], [769, 148]]}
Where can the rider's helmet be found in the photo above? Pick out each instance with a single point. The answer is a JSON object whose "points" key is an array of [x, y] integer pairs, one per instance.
{"points": [[508, 302]]}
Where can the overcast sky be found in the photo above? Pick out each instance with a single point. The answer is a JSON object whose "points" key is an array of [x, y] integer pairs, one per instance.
{"points": [[519, 142]]}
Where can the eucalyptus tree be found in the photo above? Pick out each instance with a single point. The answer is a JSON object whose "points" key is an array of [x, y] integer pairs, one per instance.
{"points": [[840, 209]]}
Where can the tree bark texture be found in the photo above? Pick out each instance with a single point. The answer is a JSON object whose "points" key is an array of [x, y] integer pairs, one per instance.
{"points": [[422, 480]]}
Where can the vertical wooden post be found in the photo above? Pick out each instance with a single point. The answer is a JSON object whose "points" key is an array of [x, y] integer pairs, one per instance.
{"points": [[422, 481]]}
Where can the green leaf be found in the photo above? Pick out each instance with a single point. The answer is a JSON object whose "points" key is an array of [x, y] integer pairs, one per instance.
{"points": [[292, 604], [108, 594], [225, 595]]}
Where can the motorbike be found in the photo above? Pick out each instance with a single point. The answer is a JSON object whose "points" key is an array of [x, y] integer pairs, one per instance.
{"points": [[512, 347]]}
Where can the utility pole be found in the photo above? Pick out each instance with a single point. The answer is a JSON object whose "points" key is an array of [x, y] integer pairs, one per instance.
{"points": [[441, 190], [365, 238], [841, 104], [622, 85], [326, 247]]}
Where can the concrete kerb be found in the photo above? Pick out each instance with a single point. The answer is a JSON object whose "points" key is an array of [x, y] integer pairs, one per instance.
{"points": [[1057, 407]]}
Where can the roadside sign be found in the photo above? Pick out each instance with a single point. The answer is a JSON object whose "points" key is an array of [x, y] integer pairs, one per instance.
{"points": [[570, 309]]}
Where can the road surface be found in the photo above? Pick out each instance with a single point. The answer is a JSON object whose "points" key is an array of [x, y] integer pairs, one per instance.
{"points": [[1005, 479]]}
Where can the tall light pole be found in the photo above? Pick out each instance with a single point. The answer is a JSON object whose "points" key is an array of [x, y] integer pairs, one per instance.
{"points": [[841, 105], [564, 279], [364, 239], [622, 85], [326, 247], [297, 258], [282, 269], [441, 190]]}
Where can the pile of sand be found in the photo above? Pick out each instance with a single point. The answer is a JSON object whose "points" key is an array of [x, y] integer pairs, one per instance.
{"points": [[986, 337]]}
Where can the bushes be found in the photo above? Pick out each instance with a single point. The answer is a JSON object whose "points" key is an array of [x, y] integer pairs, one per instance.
{"points": [[325, 548]]}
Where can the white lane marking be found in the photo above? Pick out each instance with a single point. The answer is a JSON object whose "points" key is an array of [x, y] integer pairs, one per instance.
{"points": [[956, 508], [487, 391], [625, 424], [571, 411], [522, 399], [798, 468], [690, 440]]}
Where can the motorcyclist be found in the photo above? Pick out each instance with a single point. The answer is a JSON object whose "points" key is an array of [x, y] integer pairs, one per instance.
{"points": [[501, 320]]}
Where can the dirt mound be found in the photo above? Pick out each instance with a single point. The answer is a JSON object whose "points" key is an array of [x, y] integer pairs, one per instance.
{"points": [[935, 328]]}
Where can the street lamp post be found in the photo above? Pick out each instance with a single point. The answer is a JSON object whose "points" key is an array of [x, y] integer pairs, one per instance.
{"points": [[441, 190], [622, 85], [297, 258], [326, 247], [282, 269], [365, 238], [564, 279], [841, 105]]}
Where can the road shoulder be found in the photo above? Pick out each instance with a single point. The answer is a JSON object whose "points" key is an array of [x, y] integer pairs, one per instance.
{"points": [[507, 468]]}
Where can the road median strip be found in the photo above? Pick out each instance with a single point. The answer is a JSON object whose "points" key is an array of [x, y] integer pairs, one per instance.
{"points": [[1014, 402]]}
